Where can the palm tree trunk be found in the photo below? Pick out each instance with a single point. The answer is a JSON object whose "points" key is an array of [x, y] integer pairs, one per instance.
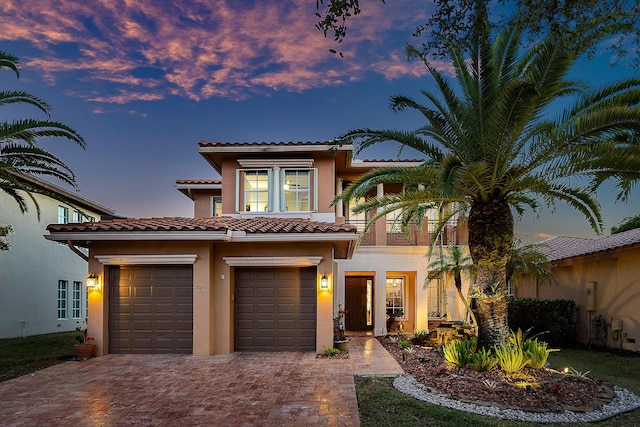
{"points": [[490, 244]]}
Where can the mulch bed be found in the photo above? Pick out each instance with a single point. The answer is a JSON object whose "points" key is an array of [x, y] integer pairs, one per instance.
{"points": [[552, 391]]}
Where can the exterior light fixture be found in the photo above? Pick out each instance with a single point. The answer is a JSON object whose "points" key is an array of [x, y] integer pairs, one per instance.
{"points": [[92, 281], [324, 282]]}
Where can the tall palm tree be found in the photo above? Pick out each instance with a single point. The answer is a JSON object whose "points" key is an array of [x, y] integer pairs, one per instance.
{"points": [[455, 261], [494, 146], [19, 150]]}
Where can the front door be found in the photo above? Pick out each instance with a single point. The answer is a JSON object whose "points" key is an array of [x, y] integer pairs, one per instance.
{"points": [[359, 303]]}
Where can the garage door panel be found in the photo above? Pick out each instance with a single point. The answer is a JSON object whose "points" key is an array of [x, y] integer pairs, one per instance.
{"points": [[151, 309], [270, 304]]}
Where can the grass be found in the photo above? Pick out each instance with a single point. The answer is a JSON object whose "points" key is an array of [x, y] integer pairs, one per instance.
{"points": [[20, 356], [380, 404]]}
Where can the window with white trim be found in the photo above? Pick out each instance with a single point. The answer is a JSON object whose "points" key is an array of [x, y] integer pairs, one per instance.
{"points": [[255, 184], [63, 215], [76, 300], [396, 293], [216, 206], [62, 299], [296, 190], [435, 297], [81, 217]]}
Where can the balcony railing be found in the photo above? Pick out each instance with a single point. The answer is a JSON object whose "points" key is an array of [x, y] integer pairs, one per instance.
{"points": [[416, 235]]}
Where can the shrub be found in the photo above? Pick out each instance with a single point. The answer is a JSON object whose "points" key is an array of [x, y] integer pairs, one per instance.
{"points": [[457, 353], [537, 352], [482, 361], [510, 359], [330, 351], [420, 337], [404, 344], [557, 317]]}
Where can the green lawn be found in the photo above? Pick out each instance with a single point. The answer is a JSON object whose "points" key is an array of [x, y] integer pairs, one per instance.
{"points": [[19, 356], [380, 404]]}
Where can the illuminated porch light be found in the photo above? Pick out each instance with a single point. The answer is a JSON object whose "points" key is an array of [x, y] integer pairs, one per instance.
{"points": [[324, 282], [92, 281]]}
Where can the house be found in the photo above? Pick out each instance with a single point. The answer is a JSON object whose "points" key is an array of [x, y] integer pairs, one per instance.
{"points": [[42, 284], [603, 277], [264, 263]]}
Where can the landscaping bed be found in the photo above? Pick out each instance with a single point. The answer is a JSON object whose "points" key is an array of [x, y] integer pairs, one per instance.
{"points": [[548, 391]]}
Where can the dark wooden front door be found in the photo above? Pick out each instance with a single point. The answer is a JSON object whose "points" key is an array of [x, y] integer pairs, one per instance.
{"points": [[356, 303]]}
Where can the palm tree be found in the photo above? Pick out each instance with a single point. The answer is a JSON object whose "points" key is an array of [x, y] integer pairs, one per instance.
{"points": [[19, 150], [494, 147], [528, 260], [456, 262]]}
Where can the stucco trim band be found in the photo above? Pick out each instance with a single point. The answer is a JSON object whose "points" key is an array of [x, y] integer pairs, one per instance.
{"points": [[147, 259], [263, 261]]}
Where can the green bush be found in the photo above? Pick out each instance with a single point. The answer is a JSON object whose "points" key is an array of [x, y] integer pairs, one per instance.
{"points": [[457, 353], [510, 359], [420, 337], [537, 352], [404, 344], [556, 320], [330, 351], [482, 361]]}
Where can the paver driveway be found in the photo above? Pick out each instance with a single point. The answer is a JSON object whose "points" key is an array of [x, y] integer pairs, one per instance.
{"points": [[240, 389]]}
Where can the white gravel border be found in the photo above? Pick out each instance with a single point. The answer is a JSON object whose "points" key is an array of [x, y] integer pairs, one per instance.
{"points": [[624, 401]]}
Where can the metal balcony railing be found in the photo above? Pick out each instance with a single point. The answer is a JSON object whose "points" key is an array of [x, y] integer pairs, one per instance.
{"points": [[415, 236]]}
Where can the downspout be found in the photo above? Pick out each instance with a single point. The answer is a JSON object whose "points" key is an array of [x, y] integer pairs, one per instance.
{"points": [[77, 251]]}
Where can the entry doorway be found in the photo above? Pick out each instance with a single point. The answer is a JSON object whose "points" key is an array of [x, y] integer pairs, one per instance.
{"points": [[359, 303]]}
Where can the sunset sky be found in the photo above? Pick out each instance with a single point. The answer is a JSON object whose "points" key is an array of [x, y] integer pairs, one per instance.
{"points": [[144, 81]]}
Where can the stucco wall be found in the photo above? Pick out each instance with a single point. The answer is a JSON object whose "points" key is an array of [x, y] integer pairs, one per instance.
{"points": [[30, 270], [213, 287], [382, 261], [617, 296]]}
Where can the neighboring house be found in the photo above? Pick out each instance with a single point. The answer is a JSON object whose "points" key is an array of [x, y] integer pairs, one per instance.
{"points": [[264, 263], [42, 285], [603, 277]]}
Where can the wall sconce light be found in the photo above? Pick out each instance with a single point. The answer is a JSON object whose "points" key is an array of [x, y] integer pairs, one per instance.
{"points": [[324, 282], [92, 281]]}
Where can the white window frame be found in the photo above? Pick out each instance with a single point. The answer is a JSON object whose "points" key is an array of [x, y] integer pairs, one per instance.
{"points": [[401, 283], [63, 287], [311, 190], [63, 214], [435, 291], [241, 196], [216, 206], [76, 300]]}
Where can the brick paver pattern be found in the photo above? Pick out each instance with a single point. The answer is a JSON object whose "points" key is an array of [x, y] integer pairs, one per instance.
{"points": [[239, 389]]}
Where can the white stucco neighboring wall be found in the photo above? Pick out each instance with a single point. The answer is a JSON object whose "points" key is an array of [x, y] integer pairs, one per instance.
{"points": [[31, 269]]}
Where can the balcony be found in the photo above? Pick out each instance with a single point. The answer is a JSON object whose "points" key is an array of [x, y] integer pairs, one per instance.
{"points": [[392, 235]]}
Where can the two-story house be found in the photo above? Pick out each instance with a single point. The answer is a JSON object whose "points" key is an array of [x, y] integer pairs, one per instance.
{"points": [[263, 264], [42, 285]]}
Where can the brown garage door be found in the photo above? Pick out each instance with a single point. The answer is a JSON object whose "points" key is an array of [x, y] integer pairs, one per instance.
{"points": [[275, 309], [151, 309]]}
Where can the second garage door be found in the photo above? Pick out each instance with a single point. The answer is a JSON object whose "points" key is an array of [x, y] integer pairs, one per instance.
{"points": [[151, 309], [275, 309]]}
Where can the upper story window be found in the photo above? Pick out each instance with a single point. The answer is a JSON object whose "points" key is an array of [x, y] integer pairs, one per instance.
{"points": [[296, 190], [216, 206], [63, 215], [256, 190], [276, 190]]}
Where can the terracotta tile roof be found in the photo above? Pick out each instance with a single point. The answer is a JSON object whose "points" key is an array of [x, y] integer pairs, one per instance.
{"points": [[233, 144], [563, 247], [259, 225], [198, 181]]}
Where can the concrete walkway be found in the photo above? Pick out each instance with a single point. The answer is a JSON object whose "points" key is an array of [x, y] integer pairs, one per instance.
{"points": [[239, 389]]}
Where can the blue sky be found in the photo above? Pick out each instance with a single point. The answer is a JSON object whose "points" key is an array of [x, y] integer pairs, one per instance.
{"points": [[145, 81]]}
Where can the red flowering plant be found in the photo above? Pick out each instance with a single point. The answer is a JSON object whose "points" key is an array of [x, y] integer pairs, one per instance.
{"points": [[338, 324], [83, 338]]}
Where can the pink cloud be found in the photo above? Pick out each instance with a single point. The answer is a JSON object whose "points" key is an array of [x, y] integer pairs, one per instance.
{"points": [[202, 49]]}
